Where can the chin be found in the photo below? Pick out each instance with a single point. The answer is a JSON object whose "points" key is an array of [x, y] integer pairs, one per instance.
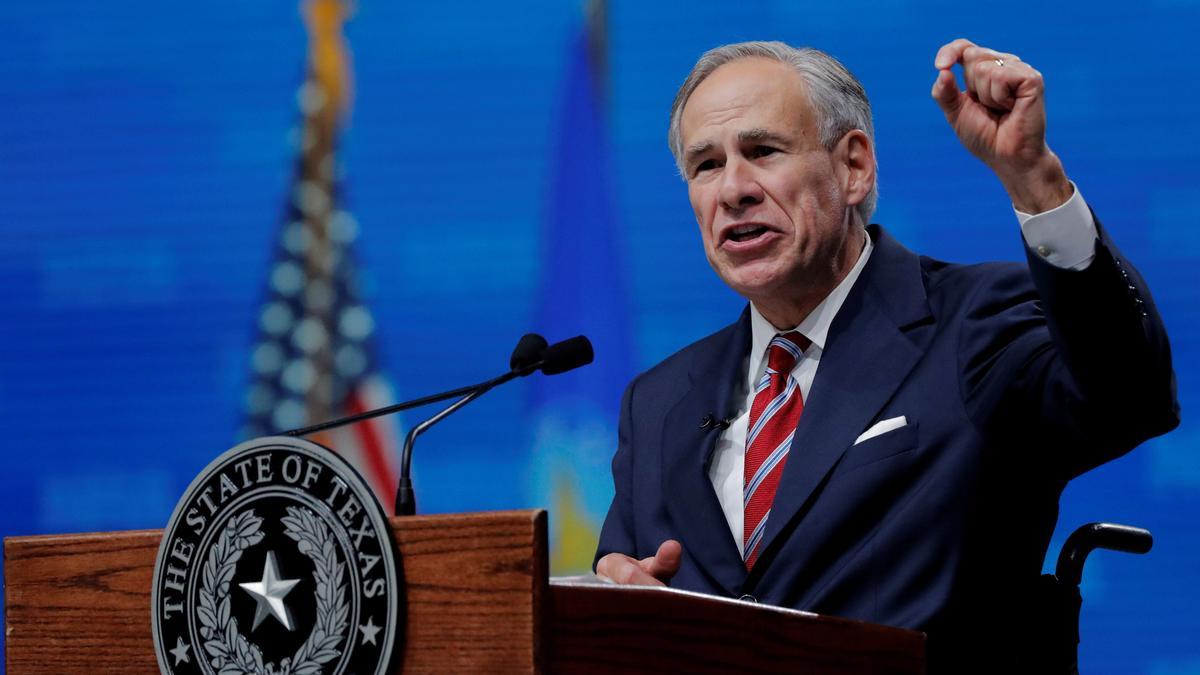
{"points": [[751, 286]]}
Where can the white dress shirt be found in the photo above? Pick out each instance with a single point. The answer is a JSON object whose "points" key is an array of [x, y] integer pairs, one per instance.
{"points": [[1064, 237]]}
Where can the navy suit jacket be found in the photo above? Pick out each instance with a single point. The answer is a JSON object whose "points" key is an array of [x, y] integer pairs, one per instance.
{"points": [[1013, 380]]}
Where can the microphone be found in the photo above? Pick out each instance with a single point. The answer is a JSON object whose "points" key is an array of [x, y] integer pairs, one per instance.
{"points": [[710, 421], [528, 351], [567, 355], [530, 355]]}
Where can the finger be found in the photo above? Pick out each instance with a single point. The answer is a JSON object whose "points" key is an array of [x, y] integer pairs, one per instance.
{"points": [[1021, 78], [1001, 94], [976, 59], [606, 566], [975, 53], [989, 54], [994, 84], [975, 64], [951, 53], [665, 562], [945, 92], [976, 56], [982, 78], [1003, 85], [624, 570]]}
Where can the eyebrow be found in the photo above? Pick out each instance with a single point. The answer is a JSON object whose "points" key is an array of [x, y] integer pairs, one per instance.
{"points": [[696, 150], [757, 134], [760, 134]]}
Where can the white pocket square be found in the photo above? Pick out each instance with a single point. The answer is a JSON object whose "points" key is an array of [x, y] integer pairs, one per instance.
{"points": [[881, 427]]}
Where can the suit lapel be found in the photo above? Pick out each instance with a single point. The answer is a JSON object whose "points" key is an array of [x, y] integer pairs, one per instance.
{"points": [[687, 450], [878, 336]]}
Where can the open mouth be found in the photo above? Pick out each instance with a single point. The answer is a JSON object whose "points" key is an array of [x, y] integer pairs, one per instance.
{"points": [[743, 233]]}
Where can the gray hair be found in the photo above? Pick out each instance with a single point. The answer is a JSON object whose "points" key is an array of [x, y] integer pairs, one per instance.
{"points": [[839, 99]]}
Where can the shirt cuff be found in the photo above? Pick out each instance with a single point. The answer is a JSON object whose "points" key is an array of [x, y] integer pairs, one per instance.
{"points": [[1064, 236]]}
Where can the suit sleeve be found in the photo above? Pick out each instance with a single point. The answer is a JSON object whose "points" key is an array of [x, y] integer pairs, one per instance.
{"points": [[617, 535], [1078, 360]]}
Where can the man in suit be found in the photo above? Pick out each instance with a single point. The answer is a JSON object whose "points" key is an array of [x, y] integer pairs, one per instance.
{"points": [[880, 436]]}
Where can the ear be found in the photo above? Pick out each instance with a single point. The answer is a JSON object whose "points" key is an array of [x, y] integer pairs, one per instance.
{"points": [[855, 165]]}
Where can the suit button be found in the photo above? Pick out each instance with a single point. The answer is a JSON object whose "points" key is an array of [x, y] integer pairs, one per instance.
{"points": [[1044, 251], [748, 598]]}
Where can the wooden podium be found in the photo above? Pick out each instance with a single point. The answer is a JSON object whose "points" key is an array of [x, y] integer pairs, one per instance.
{"points": [[478, 601]]}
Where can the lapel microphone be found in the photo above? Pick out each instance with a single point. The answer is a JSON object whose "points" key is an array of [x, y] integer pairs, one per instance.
{"points": [[710, 421]]}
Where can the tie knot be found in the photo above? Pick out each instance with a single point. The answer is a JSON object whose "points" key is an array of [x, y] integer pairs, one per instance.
{"points": [[784, 351]]}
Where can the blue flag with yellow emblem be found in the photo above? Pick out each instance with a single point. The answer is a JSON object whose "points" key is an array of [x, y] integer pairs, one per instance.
{"points": [[572, 419]]}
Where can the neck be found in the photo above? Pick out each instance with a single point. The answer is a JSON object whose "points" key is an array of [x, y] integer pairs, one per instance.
{"points": [[786, 308]]}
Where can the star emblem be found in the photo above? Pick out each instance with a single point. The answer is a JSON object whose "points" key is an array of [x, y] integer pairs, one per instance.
{"points": [[369, 631], [269, 594], [180, 652]]}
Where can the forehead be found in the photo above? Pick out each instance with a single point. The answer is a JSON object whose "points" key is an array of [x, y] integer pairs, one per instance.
{"points": [[749, 92]]}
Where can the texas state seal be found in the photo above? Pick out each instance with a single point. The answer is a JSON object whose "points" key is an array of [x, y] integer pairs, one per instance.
{"points": [[278, 560]]}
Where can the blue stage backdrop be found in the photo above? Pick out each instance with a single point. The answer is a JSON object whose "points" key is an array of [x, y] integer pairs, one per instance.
{"points": [[507, 171]]}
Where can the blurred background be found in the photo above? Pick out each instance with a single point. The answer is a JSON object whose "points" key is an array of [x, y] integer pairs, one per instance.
{"points": [[225, 218]]}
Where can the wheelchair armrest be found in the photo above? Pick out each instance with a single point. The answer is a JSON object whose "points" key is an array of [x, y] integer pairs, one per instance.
{"points": [[1092, 536]]}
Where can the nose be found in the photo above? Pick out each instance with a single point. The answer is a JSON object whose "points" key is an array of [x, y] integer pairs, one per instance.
{"points": [[739, 188]]}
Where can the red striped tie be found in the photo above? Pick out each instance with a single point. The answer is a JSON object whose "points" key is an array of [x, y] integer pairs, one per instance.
{"points": [[773, 419]]}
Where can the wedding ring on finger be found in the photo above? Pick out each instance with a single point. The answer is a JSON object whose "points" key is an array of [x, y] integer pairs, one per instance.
{"points": [[999, 62]]}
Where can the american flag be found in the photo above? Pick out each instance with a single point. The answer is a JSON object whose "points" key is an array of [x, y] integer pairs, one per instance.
{"points": [[313, 358]]}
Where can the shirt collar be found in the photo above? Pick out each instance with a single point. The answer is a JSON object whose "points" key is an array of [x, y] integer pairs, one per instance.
{"points": [[815, 326]]}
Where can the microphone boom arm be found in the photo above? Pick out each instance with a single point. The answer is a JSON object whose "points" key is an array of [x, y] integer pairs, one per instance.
{"points": [[531, 354], [386, 410], [406, 499]]}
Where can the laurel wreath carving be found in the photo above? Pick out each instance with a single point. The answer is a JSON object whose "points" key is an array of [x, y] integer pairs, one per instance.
{"points": [[230, 653]]}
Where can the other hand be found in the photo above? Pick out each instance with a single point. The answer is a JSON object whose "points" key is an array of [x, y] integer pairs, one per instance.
{"points": [[1001, 119], [656, 570]]}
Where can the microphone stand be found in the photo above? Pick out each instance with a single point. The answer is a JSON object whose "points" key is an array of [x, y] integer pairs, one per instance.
{"points": [[406, 498], [395, 407], [551, 360]]}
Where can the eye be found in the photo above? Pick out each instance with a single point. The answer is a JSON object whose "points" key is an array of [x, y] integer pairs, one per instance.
{"points": [[763, 151], [706, 165]]}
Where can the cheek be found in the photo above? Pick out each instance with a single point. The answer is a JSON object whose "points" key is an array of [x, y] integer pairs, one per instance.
{"points": [[819, 202], [702, 210]]}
